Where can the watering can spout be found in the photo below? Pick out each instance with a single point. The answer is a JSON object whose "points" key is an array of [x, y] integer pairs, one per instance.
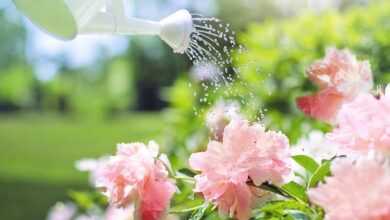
{"points": [[176, 30], [68, 18]]}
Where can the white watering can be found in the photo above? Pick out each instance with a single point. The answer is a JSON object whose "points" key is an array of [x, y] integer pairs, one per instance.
{"points": [[66, 19]]}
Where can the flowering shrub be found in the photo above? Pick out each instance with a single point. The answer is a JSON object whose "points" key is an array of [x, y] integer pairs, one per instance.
{"points": [[249, 172]]}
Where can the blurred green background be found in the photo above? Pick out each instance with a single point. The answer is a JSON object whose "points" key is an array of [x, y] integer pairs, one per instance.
{"points": [[63, 101]]}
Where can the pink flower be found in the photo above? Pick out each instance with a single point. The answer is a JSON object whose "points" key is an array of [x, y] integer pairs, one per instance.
{"points": [[220, 116], [340, 77], [114, 213], [364, 124], [247, 152], [92, 166], [62, 211], [136, 176], [358, 191]]}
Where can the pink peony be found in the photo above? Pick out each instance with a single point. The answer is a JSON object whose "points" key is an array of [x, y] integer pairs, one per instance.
{"points": [[247, 152], [92, 166], [136, 176], [114, 213], [220, 116], [364, 124], [358, 191], [340, 77], [62, 211]]}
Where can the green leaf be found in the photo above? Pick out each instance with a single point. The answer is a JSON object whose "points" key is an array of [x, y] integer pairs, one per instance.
{"points": [[320, 174], [287, 210], [201, 212], [296, 191], [190, 206], [83, 199], [278, 209], [273, 188], [306, 162], [86, 200], [187, 172], [298, 215], [304, 177]]}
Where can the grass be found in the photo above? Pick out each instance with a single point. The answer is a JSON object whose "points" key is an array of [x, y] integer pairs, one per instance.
{"points": [[37, 154]]}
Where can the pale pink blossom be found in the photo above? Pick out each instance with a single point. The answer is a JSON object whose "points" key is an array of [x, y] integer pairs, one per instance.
{"points": [[316, 146], [113, 213], [364, 124], [357, 190], [247, 153], [340, 77], [62, 211], [220, 116], [135, 175], [89, 217], [92, 166]]}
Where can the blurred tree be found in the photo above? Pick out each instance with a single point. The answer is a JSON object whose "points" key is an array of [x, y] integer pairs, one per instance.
{"points": [[155, 67], [240, 13], [57, 92], [120, 83], [12, 41], [16, 78], [16, 88]]}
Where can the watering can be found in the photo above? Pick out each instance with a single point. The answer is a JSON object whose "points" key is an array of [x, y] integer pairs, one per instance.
{"points": [[65, 19]]}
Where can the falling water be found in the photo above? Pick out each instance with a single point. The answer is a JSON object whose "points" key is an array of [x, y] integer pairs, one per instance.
{"points": [[211, 50], [212, 42]]}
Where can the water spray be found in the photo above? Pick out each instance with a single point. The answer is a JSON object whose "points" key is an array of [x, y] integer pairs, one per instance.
{"points": [[65, 19]]}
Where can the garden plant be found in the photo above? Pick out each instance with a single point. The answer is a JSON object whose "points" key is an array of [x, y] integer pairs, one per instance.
{"points": [[304, 135]]}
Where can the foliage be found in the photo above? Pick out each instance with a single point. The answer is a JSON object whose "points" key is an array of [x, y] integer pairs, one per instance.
{"points": [[12, 38], [279, 52], [272, 76], [94, 96], [17, 86], [272, 69], [288, 210], [296, 205]]}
